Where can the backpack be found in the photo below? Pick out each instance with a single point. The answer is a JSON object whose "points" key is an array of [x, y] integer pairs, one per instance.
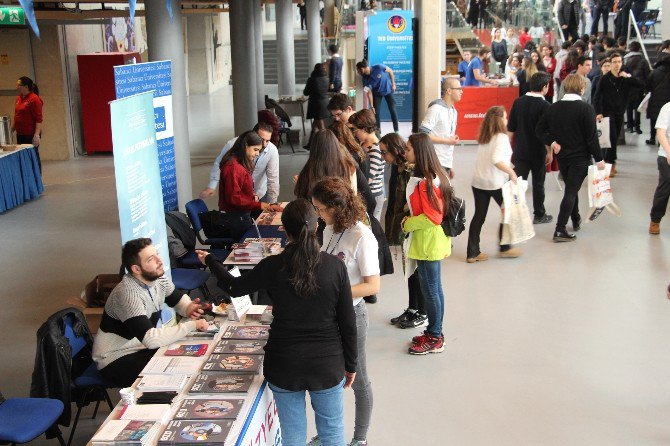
{"points": [[454, 222]]}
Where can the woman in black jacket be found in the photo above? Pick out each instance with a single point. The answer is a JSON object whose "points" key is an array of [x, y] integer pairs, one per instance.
{"points": [[659, 86], [312, 344], [317, 104]]}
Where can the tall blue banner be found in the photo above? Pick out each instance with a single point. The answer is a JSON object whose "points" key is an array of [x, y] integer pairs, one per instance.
{"points": [[390, 41], [138, 182], [155, 76]]}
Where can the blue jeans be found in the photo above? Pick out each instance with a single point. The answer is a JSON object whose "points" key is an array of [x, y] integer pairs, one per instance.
{"points": [[328, 414], [431, 287]]}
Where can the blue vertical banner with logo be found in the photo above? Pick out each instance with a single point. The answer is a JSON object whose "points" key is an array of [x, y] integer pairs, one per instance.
{"points": [[390, 41], [155, 76], [138, 182]]}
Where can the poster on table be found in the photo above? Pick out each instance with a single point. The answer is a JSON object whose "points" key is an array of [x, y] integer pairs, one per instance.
{"points": [[138, 182], [155, 76], [390, 42], [262, 429]]}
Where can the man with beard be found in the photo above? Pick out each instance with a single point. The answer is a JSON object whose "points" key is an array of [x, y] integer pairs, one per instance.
{"points": [[131, 329]]}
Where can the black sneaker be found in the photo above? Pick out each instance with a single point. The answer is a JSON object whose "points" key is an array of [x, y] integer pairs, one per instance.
{"points": [[577, 225], [651, 142], [415, 320], [546, 218], [403, 317], [370, 299], [564, 236]]}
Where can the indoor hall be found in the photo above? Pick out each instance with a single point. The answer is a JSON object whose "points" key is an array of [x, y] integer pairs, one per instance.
{"points": [[564, 345]]}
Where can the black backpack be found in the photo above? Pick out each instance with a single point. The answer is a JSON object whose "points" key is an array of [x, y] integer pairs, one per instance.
{"points": [[454, 222]]}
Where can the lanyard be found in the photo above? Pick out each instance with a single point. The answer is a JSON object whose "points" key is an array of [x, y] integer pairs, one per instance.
{"points": [[336, 243], [160, 310]]}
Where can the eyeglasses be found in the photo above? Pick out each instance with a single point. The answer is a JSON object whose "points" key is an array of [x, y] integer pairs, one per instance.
{"points": [[455, 88], [320, 210], [337, 114]]}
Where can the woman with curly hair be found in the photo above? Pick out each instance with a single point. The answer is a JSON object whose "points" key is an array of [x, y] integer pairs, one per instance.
{"points": [[393, 146], [347, 237], [365, 128]]}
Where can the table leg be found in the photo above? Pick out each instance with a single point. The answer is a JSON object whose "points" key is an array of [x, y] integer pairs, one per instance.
{"points": [[302, 115]]}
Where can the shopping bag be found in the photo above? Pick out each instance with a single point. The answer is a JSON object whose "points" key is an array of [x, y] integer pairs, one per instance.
{"points": [[518, 225], [644, 103], [600, 190], [603, 130]]}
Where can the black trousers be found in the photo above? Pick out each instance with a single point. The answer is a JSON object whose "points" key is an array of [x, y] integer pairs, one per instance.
{"points": [[616, 124], [125, 370], [570, 33], [539, 171], [633, 116], [390, 102], [28, 139], [416, 300], [597, 13], [303, 21], [662, 193], [482, 199], [652, 130], [573, 174]]}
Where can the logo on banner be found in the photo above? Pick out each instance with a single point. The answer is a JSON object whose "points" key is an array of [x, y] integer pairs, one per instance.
{"points": [[397, 24], [159, 116]]}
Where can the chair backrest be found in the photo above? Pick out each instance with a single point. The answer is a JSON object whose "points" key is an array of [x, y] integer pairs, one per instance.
{"points": [[279, 111], [194, 208], [653, 15], [77, 343]]}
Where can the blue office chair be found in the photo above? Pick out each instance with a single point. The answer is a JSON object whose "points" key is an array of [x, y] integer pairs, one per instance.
{"points": [[193, 209], [89, 386], [24, 419], [191, 279]]}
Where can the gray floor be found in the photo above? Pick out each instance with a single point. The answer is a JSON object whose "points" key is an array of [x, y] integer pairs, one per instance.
{"points": [[565, 345]]}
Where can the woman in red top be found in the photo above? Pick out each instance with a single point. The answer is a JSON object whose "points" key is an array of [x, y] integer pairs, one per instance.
{"points": [[550, 65], [28, 115], [236, 188]]}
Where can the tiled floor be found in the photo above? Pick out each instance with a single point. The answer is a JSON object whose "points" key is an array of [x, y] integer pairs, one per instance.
{"points": [[565, 345]]}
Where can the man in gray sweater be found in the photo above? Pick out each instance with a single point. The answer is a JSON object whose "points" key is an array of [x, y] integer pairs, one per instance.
{"points": [[131, 328]]}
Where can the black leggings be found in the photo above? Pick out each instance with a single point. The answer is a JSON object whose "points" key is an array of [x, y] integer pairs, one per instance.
{"points": [[125, 370], [482, 199]]}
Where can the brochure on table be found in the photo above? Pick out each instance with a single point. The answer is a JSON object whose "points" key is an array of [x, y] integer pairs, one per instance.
{"points": [[257, 422]]}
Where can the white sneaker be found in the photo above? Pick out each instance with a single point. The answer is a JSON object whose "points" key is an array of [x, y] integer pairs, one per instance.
{"points": [[358, 443]]}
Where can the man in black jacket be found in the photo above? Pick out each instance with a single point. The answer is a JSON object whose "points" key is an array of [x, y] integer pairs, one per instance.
{"points": [[568, 127], [659, 87], [611, 100], [530, 154], [568, 19], [602, 9]]}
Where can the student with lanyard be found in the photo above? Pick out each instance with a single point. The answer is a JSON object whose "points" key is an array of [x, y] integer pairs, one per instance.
{"points": [[131, 331], [312, 343], [348, 238]]}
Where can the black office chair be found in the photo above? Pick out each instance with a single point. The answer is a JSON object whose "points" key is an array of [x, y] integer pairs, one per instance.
{"points": [[284, 119]]}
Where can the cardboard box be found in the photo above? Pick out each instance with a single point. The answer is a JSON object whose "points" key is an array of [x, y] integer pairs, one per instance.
{"points": [[92, 299]]}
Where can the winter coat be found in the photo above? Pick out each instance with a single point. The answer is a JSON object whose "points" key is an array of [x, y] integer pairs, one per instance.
{"points": [[54, 366], [317, 90], [564, 11], [659, 86], [638, 68]]}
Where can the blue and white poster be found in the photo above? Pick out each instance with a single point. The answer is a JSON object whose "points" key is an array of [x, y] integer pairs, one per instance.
{"points": [[155, 76], [138, 182], [390, 42]]}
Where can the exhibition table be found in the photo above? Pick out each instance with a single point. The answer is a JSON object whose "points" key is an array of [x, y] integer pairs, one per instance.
{"points": [[20, 177], [269, 226], [257, 423]]}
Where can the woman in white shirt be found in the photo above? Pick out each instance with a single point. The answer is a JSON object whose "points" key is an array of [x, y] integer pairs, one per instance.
{"points": [[493, 168], [347, 237]]}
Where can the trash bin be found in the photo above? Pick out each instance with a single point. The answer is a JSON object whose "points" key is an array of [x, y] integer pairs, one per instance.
{"points": [[5, 131]]}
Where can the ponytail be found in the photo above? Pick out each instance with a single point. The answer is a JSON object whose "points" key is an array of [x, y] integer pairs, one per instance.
{"points": [[302, 253], [28, 82]]}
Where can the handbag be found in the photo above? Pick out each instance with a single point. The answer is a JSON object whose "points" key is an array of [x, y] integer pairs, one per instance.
{"points": [[453, 223], [216, 224], [644, 103], [603, 131]]}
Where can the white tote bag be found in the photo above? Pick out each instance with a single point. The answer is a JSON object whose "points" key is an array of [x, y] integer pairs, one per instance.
{"points": [[644, 103], [603, 130], [518, 225], [600, 189]]}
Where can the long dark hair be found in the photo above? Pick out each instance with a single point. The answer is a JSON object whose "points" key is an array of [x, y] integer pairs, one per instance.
{"points": [[428, 166], [28, 82], [239, 149], [327, 158], [395, 145], [302, 252], [346, 137]]}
